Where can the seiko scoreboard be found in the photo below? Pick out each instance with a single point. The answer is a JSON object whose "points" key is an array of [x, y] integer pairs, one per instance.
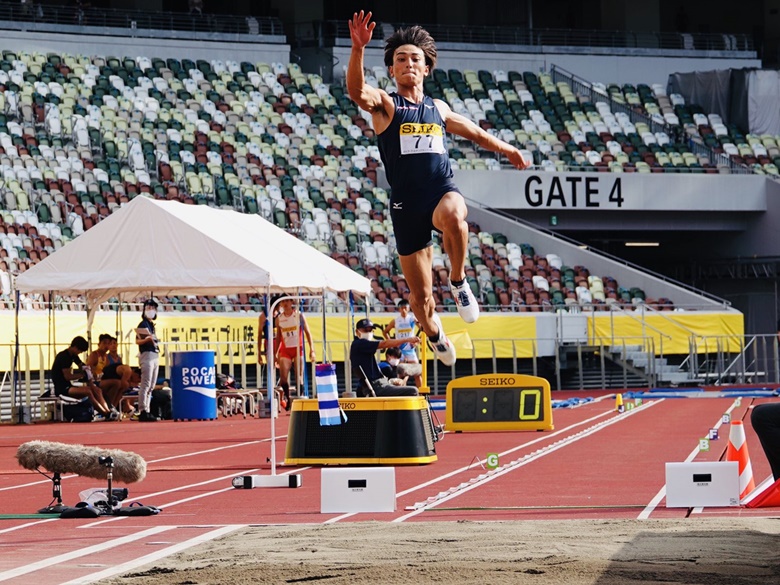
{"points": [[499, 402]]}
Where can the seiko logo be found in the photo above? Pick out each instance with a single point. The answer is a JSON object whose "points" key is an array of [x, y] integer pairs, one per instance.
{"points": [[348, 405], [497, 381]]}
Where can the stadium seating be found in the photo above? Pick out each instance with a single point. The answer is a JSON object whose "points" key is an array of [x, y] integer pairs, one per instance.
{"points": [[81, 136]]}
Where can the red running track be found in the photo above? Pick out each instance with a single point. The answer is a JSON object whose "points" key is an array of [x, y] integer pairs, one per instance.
{"points": [[595, 464]]}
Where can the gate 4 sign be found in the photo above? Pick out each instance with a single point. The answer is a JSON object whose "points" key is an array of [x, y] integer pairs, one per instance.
{"points": [[499, 402]]}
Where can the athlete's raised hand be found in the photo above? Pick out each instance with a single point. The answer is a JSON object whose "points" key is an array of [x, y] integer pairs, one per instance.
{"points": [[361, 29]]}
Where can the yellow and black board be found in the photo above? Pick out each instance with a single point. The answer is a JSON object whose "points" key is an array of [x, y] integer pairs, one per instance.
{"points": [[378, 431]]}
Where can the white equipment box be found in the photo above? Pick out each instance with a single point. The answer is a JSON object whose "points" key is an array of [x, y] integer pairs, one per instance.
{"points": [[358, 489], [699, 484]]}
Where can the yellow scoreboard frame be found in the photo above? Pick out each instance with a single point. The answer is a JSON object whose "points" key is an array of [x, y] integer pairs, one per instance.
{"points": [[499, 402]]}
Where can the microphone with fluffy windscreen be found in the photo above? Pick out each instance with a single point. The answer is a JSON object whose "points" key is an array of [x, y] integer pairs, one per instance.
{"points": [[81, 460], [94, 462]]}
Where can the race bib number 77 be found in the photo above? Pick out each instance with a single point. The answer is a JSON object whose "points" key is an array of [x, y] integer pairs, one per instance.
{"points": [[421, 138]]}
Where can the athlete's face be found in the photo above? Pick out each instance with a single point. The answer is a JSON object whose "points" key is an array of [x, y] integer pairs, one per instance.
{"points": [[409, 66], [403, 310]]}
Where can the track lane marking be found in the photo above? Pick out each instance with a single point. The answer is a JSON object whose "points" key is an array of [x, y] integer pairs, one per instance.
{"points": [[69, 556], [565, 442], [191, 498], [27, 525], [507, 452], [155, 556], [183, 455], [653, 504]]}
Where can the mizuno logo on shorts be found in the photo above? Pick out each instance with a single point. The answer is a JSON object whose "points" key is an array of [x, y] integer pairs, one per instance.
{"points": [[398, 205]]}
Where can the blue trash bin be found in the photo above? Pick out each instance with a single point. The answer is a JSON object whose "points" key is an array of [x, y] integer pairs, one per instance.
{"points": [[194, 394]]}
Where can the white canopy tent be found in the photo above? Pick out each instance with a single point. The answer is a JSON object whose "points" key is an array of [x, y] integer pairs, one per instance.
{"points": [[167, 248]]}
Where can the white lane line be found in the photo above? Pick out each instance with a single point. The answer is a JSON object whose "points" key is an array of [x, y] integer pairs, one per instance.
{"points": [[35, 523], [191, 498], [183, 455], [155, 556], [653, 504], [490, 476], [435, 480], [214, 450], [82, 552]]}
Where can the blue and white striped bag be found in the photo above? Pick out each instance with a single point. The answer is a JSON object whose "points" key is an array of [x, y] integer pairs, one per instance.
{"points": [[328, 395]]}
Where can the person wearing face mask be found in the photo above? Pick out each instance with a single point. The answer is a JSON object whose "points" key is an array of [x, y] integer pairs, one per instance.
{"points": [[362, 357], [395, 367], [148, 359]]}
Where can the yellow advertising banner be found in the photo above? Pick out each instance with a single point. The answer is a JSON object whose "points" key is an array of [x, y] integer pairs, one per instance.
{"points": [[671, 332], [234, 336]]}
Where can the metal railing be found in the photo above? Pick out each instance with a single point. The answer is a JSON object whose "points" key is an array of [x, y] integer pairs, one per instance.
{"points": [[504, 35], [130, 20], [609, 364], [714, 360], [621, 261]]}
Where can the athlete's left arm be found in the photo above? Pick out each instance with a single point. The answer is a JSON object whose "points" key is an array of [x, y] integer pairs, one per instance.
{"points": [[467, 129], [307, 334]]}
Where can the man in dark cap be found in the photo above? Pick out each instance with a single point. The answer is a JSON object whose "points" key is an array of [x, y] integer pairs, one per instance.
{"points": [[362, 356]]}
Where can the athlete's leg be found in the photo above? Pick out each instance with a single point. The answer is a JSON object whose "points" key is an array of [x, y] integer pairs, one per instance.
{"points": [[449, 217], [417, 272]]}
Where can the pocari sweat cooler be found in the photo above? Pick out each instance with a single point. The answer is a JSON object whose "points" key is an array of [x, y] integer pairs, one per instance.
{"points": [[194, 393]]}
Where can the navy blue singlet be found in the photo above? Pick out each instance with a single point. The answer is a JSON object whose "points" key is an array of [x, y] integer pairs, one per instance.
{"points": [[414, 151]]}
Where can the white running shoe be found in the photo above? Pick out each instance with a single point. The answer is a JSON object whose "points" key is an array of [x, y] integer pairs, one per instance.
{"points": [[468, 309], [443, 348]]}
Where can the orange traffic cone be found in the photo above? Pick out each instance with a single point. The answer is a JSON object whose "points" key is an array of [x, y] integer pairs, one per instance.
{"points": [[738, 451]]}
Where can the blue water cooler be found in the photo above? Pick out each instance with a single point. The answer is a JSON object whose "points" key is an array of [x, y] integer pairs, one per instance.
{"points": [[194, 394]]}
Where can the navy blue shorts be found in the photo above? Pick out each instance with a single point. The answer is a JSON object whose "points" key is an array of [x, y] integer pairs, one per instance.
{"points": [[412, 215]]}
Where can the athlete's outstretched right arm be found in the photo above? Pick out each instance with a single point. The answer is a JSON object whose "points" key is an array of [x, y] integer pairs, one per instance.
{"points": [[369, 98]]}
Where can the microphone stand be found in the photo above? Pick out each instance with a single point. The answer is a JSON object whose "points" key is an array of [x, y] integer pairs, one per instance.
{"points": [[56, 493], [108, 462]]}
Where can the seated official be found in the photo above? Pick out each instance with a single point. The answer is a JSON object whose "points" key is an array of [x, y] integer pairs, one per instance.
{"points": [[362, 355], [393, 367], [62, 374]]}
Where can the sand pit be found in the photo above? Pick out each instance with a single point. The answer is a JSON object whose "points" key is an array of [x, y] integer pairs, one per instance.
{"points": [[736, 551]]}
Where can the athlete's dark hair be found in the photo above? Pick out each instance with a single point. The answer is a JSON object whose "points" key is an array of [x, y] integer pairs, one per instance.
{"points": [[414, 35]]}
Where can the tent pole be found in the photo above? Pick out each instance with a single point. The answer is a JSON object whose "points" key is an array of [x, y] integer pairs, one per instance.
{"points": [[269, 349], [291, 480], [325, 353], [15, 368], [53, 344]]}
